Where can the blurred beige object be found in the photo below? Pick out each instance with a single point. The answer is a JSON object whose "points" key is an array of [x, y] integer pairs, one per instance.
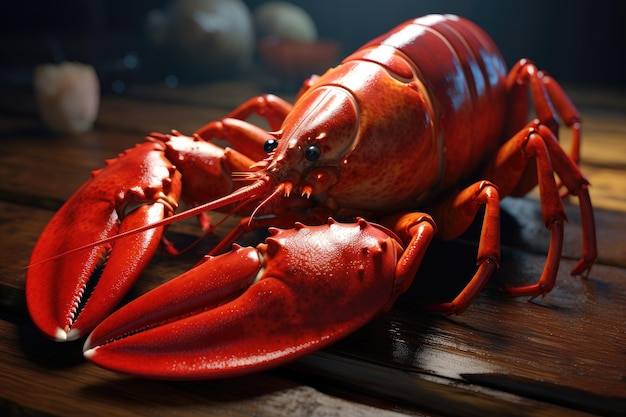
{"points": [[68, 96], [215, 36], [284, 21]]}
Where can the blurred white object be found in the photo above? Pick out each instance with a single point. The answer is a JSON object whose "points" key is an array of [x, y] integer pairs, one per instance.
{"points": [[68, 96], [284, 21]]}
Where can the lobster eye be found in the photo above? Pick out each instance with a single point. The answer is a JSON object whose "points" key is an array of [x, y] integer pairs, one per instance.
{"points": [[312, 153], [270, 145]]}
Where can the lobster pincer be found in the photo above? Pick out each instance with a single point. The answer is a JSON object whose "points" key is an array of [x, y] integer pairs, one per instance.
{"points": [[255, 308], [57, 291], [68, 295]]}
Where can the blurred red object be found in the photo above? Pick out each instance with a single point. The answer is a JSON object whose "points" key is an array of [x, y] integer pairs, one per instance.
{"points": [[298, 60]]}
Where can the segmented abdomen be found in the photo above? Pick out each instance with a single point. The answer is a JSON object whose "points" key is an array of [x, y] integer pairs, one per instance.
{"points": [[462, 75]]}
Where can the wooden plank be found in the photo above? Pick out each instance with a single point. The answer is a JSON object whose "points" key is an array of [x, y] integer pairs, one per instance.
{"points": [[444, 397], [522, 227], [51, 168], [143, 117], [564, 338], [604, 159], [23, 224], [38, 377]]}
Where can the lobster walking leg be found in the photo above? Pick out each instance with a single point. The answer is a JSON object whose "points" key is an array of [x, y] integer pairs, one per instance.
{"points": [[549, 101], [417, 231], [244, 136], [273, 108], [454, 215], [538, 143]]}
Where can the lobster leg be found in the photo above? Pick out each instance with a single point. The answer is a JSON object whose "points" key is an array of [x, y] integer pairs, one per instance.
{"points": [[454, 215], [537, 146], [417, 231], [273, 108], [244, 136], [549, 100], [538, 143]]}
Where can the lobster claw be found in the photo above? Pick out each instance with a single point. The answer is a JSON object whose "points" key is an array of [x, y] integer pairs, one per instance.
{"points": [[254, 308], [68, 295]]}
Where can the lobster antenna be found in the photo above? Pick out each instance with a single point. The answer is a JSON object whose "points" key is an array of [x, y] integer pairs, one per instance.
{"points": [[206, 232], [249, 191]]}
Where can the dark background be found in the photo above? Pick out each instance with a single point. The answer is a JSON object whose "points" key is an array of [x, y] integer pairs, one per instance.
{"points": [[577, 41]]}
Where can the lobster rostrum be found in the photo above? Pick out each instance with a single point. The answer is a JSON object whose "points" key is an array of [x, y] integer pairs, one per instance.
{"points": [[418, 131]]}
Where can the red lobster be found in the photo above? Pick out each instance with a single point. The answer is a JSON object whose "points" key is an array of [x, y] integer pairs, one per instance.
{"points": [[423, 117]]}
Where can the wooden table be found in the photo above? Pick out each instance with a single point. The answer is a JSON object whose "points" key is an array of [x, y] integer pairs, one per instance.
{"points": [[563, 354]]}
